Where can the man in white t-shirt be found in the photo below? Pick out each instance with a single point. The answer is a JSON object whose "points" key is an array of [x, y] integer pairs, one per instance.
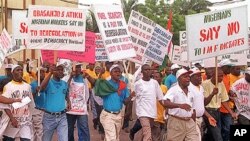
{"points": [[241, 88], [179, 101], [20, 124], [147, 91]]}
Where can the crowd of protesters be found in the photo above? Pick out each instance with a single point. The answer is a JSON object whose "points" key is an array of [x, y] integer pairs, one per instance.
{"points": [[190, 104]]}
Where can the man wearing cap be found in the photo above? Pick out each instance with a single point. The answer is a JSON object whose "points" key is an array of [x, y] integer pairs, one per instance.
{"points": [[20, 118], [114, 93], [78, 95], [56, 91], [217, 96], [226, 118], [241, 88], [171, 79], [179, 101], [37, 114], [147, 91]]}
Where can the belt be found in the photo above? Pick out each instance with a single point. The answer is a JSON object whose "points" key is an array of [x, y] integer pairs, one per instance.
{"points": [[56, 113], [111, 112], [181, 118], [213, 109]]}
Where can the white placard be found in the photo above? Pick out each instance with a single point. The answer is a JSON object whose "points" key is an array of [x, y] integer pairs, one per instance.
{"points": [[216, 33], [5, 45], [100, 52], [56, 28], [179, 56], [141, 29], [113, 28]]}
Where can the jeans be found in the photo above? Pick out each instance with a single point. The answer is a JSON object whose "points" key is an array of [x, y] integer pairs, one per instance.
{"points": [[214, 133], [82, 126], [226, 121], [12, 139], [52, 123], [99, 109]]}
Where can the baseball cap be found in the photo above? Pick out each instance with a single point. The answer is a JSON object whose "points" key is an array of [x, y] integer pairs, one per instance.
{"points": [[195, 71], [14, 67], [116, 66], [225, 62], [8, 66], [247, 70], [175, 66], [181, 72]]}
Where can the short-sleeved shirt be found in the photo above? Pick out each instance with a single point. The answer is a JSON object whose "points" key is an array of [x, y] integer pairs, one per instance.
{"points": [[147, 93], [114, 101], [160, 108], [176, 95], [170, 80], [222, 95], [39, 100], [198, 104], [56, 93], [242, 90], [23, 114]]}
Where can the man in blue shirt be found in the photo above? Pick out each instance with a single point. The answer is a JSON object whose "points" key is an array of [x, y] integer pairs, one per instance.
{"points": [[78, 95], [56, 91], [111, 116], [37, 115], [171, 79]]}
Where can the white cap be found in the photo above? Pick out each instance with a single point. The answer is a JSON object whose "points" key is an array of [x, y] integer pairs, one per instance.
{"points": [[14, 66], [181, 72], [8, 66], [195, 71], [247, 70], [175, 66], [225, 62], [116, 66]]}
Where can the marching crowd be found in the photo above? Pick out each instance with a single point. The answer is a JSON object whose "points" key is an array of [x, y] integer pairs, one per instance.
{"points": [[190, 104]]}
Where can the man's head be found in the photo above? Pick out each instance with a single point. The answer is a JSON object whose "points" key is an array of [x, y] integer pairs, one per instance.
{"points": [[78, 69], [98, 69], [220, 75], [183, 77], [174, 68], [195, 77], [108, 65], [247, 74], [146, 71], [226, 65], [59, 72], [208, 72], [8, 70], [46, 65], [158, 77], [198, 65], [115, 72], [17, 73], [91, 66], [235, 70], [42, 73]]}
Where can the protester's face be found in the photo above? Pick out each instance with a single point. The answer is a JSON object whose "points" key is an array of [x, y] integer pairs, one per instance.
{"points": [[97, 70], [115, 74], [157, 77], [91, 66], [247, 77], [146, 71], [226, 69], [196, 78], [220, 75], [59, 72], [184, 79], [78, 69], [235, 70], [18, 74], [108, 65], [174, 71], [42, 74], [209, 72]]}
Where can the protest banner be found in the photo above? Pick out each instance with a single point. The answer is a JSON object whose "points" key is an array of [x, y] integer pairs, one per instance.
{"points": [[179, 56], [183, 38], [47, 56], [87, 56], [216, 33], [114, 31], [19, 28], [141, 29], [157, 47], [100, 52], [236, 59], [5, 45], [56, 28]]}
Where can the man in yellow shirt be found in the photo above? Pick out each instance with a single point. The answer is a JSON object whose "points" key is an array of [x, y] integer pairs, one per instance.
{"points": [[159, 121], [106, 73]]}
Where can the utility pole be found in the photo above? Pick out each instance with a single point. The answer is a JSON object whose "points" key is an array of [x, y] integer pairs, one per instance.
{"points": [[6, 15]]}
